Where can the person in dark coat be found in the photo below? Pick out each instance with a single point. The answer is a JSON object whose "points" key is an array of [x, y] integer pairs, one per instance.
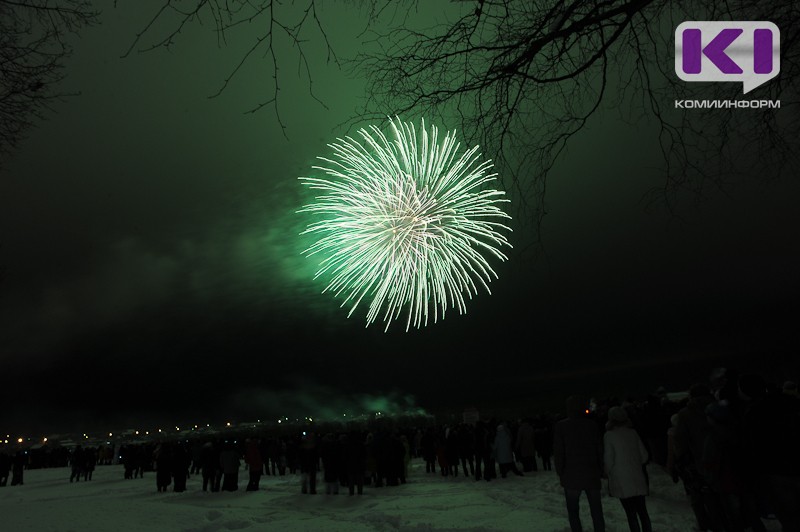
{"points": [[89, 462], [309, 463], [5, 468], [441, 452], [283, 459], [525, 446], [579, 464], [274, 455], [466, 449], [428, 448], [481, 446], [491, 432], [264, 449], [180, 467], [255, 463], [721, 455], [143, 461], [331, 454], [163, 458], [406, 457], [451, 451], [292, 453], [126, 457], [396, 453], [209, 466], [544, 442], [76, 461], [197, 451], [771, 429], [17, 468], [370, 474], [692, 429], [381, 449], [355, 462]]}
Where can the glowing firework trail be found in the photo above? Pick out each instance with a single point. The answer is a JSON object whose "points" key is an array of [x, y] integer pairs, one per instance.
{"points": [[405, 222]]}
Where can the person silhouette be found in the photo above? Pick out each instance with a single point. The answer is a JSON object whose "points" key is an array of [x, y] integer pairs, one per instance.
{"points": [[578, 459]]}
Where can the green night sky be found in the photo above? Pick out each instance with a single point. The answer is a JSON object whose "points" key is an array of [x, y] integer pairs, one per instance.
{"points": [[152, 257]]}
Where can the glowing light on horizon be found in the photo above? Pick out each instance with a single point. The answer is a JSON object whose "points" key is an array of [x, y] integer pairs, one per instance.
{"points": [[405, 223]]}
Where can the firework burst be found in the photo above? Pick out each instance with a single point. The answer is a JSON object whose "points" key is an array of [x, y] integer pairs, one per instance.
{"points": [[405, 224]]}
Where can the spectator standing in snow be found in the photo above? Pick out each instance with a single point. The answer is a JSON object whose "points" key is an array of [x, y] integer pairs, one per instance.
{"points": [[89, 461], [451, 451], [578, 458], [355, 456], [163, 458], [210, 468], [466, 449], [406, 458], [771, 429], [544, 441], [692, 429], [331, 454], [481, 446], [5, 468], [525, 446], [309, 463], [17, 467], [428, 448], [441, 451], [229, 462], [255, 463], [180, 467], [76, 461], [504, 454], [624, 456], [197, 451]]}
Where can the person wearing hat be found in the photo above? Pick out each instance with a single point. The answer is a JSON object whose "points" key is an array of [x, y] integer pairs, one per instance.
{"points": [[692, 429], [578, 458], [624, 457]]}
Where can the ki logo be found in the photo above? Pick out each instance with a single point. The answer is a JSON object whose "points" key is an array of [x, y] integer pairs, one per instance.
{"points": [[744, 51]]}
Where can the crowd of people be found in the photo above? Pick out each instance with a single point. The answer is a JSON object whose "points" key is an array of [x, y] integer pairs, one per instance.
{"points": [[13, 465], [732, 443]]}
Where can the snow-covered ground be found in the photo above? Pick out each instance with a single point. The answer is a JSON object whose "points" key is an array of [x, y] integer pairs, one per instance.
{"points": [[48, 502]]}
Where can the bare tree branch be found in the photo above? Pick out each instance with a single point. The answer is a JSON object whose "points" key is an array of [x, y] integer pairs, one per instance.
{"points": [[276, 20], [33, 49], [524, 77]]}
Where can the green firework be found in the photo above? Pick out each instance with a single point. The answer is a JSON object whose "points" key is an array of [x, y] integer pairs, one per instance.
{"points": [[405, 224]]}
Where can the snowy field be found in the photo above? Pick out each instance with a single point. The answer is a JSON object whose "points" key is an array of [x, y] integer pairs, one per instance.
{"points": [[48, 502]]}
